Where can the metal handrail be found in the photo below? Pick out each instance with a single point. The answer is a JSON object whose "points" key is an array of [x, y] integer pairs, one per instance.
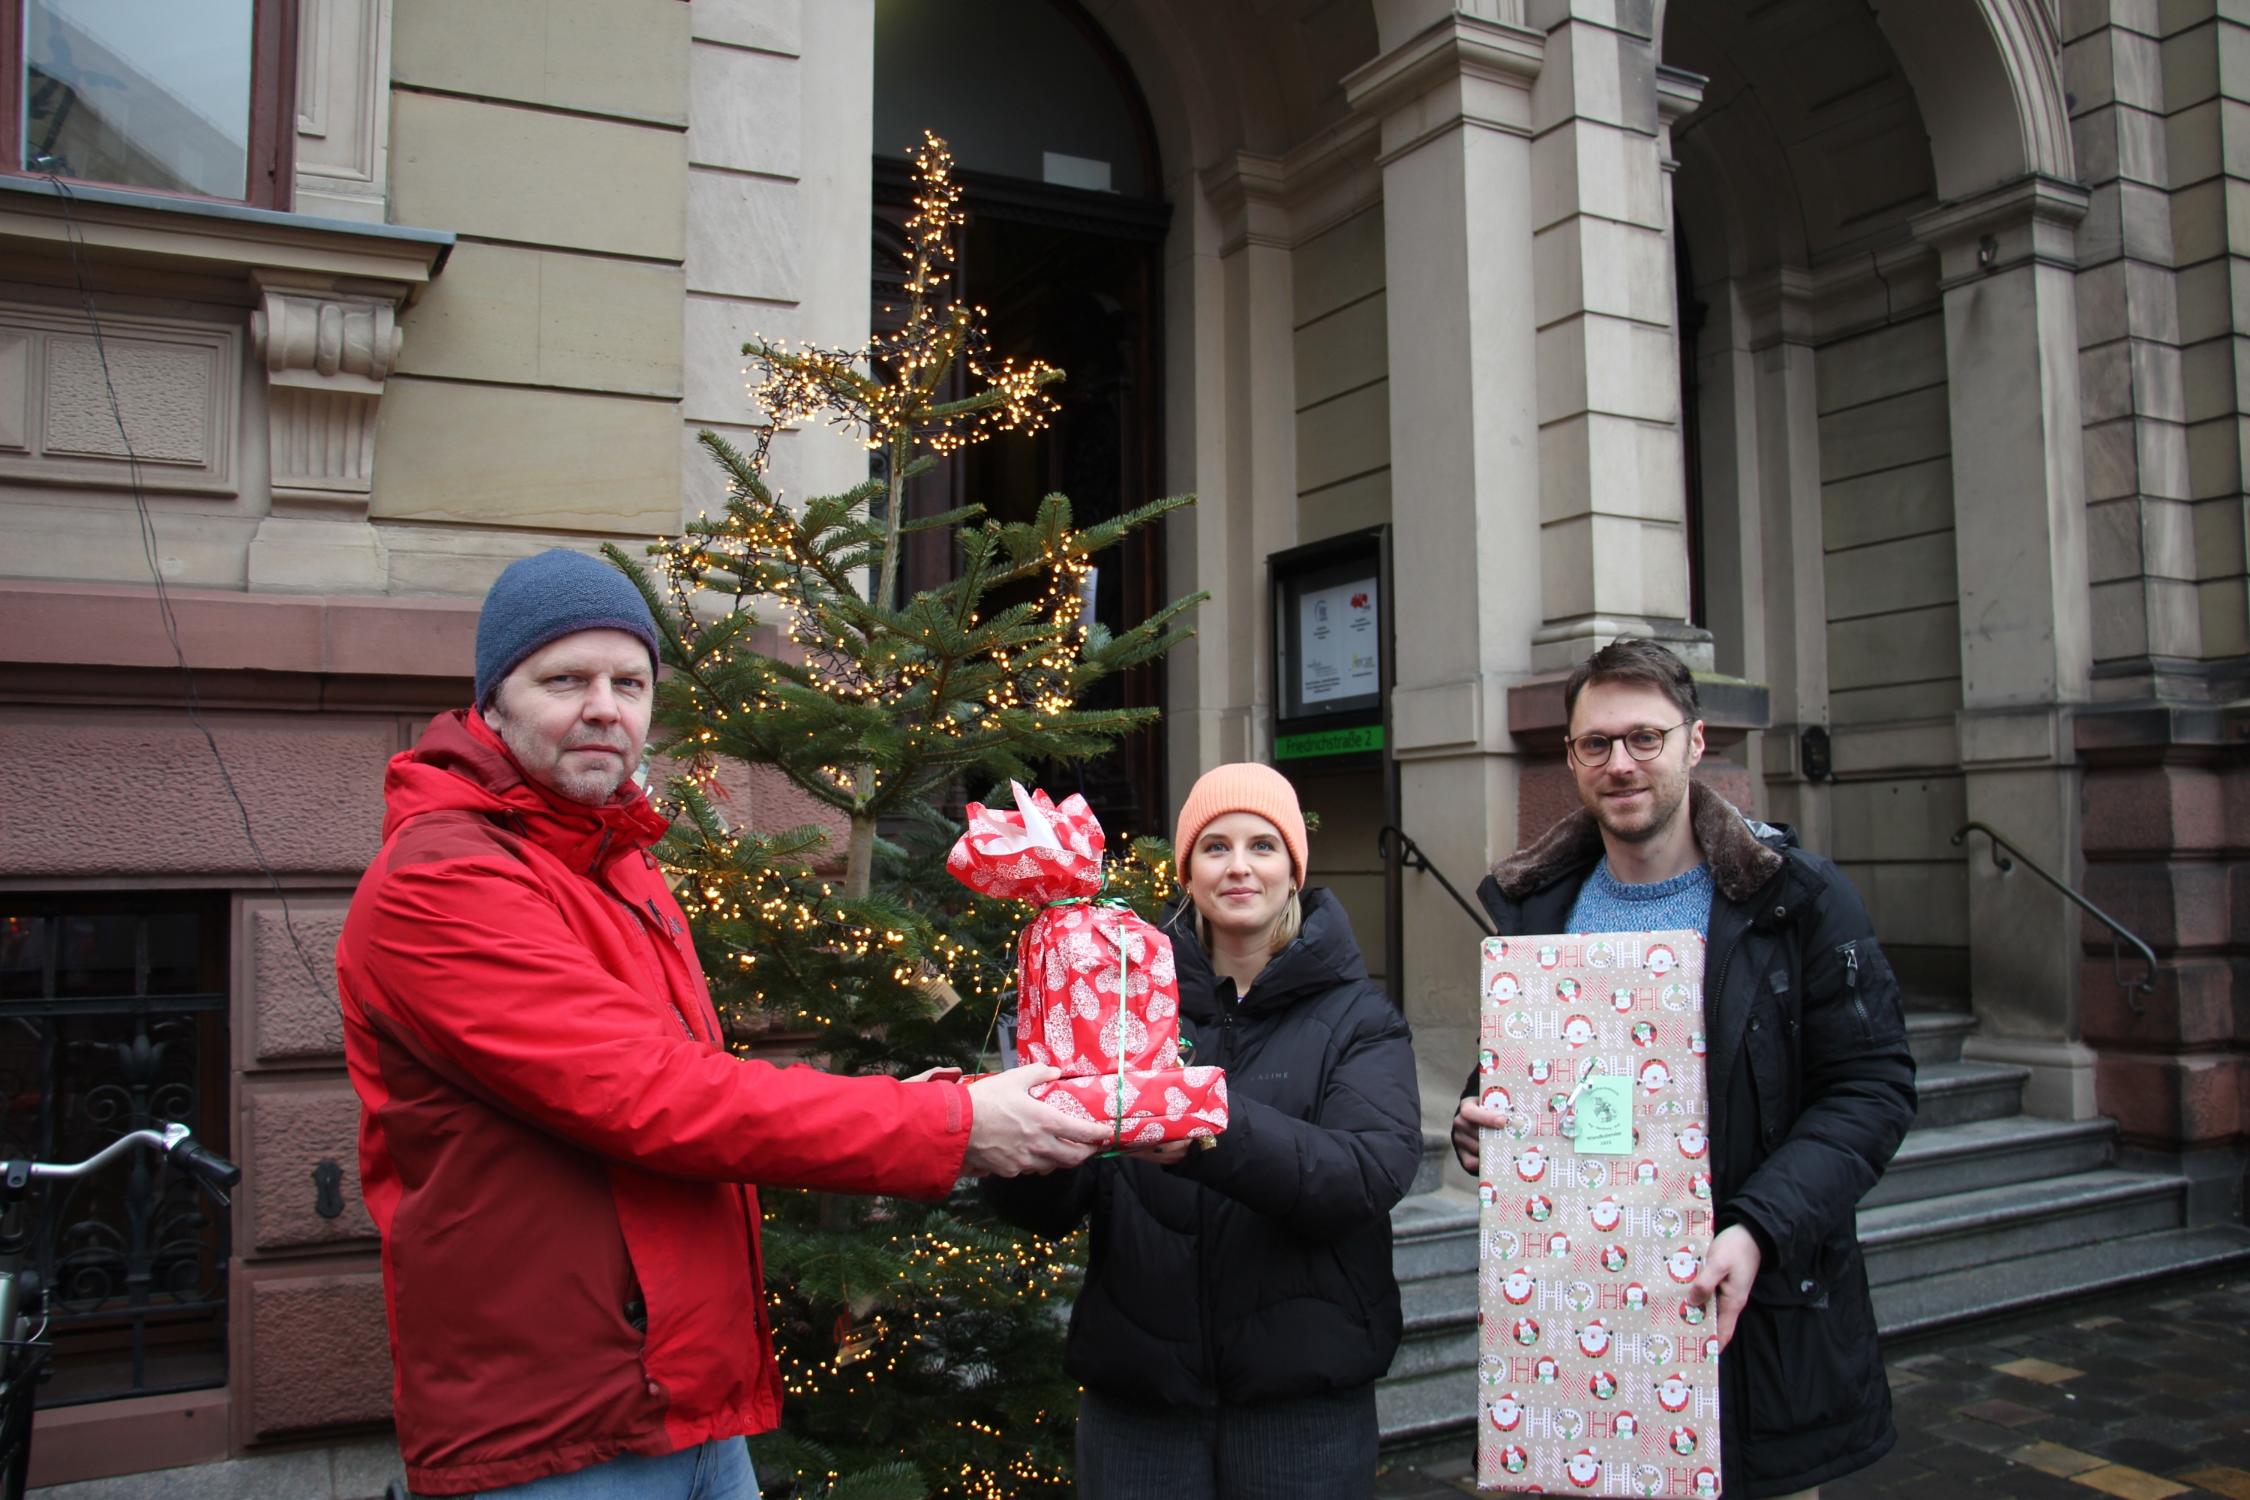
{"points": [[1411, 857], [2136, 991]]}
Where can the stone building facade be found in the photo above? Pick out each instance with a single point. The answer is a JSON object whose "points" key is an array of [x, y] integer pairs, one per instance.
{"points": [[1885, 356]]}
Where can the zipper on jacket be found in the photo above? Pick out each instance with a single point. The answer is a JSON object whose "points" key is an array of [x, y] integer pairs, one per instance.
{"points": [[1851, 987], [678, 1013]]}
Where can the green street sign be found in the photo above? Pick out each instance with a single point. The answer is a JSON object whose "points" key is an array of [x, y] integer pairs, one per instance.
{"points": [[1368, 737]]}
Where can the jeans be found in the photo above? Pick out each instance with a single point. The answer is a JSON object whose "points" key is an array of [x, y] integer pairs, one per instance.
{"points": [[717, 1470], [1309, 1448]]}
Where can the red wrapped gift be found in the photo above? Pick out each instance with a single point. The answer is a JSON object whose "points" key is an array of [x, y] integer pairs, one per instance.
{"points": [[1148, 1107], [1097, 994]]}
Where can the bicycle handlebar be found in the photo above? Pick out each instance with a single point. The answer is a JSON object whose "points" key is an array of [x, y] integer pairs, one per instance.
{"points": [[174, 1141], [212, 1168]]}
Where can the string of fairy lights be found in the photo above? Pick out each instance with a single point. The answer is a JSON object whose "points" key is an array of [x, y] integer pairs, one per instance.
{"points": [[797, 909]]}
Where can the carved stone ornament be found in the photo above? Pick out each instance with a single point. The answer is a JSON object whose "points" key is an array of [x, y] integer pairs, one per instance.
{"points": [[327, 355]]}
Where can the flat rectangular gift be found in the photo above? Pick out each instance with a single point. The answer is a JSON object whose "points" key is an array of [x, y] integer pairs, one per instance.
{"points": [[1150, 1106], [1596, 1375], [1097, 994]]}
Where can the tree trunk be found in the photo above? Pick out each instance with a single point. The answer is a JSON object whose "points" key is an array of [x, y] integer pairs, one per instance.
{"points": [[894, 492], [859, 856]]}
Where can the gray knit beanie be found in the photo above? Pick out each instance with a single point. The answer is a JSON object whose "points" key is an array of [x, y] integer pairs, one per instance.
{"points": [[544, 598]]}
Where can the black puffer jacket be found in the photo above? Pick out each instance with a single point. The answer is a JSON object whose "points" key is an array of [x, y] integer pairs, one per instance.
{"points": [[1260, 1268], [1811, 1088]]}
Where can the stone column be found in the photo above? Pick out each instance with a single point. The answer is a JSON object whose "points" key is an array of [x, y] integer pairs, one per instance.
{"points": [[1248, 507], [1454, 99], [1766, 576], [2205, 90], [2141, 518], [1613, 547], [327, 354], [2007, 273], [2163, 320]]}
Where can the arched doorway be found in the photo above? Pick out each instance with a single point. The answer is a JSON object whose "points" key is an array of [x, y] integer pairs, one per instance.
{"points": [[1056, 154], [1815, 374]]}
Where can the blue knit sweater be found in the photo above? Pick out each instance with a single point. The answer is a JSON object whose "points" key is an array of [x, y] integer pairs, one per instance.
{"points": [[1607, 904]]}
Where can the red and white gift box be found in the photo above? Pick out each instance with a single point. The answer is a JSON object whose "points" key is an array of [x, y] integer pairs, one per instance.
{"points": [[1596, 1374], [1097, 994], [1150, 1107]]}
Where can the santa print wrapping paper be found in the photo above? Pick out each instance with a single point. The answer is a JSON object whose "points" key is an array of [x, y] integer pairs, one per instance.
{"points": [[1097, 993], [1596, 1375]]}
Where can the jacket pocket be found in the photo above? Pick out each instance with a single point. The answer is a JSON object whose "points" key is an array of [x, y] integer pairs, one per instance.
{"points": [[1808, 1346], [1807, 1366], [1855, 978]]}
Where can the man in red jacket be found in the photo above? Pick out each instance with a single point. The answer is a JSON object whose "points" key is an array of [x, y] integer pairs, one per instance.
{"points": [[555, 1142]]}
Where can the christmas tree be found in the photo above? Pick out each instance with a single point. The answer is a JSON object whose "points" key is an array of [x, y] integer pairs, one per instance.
{"points": [[920, 1345]]}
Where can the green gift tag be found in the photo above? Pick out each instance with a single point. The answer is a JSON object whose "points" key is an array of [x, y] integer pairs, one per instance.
{"points": [[1605, 1117]]}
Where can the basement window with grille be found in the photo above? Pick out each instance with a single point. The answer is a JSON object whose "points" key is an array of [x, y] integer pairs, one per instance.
{"points": [[113, 1017]]}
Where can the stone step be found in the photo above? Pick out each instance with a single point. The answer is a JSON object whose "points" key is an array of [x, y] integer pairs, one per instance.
{"points": [[1444, 1341], [1434, 1234], [1954, 1093], [1929, 1302], [1430, 1391], [1935, 1036], [1991, 1249], [1430, 1170], [1438, 1301], [1934, 1236], [1940, 1160], [1413, 1409]]}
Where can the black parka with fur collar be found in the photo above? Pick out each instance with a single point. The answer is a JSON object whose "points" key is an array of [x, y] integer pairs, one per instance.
{"points": [[1812, 1089], [1259, 1269]]}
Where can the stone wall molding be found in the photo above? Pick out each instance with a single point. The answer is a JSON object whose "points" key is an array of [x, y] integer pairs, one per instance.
{"points": [[2032, 220], [176, 383]]}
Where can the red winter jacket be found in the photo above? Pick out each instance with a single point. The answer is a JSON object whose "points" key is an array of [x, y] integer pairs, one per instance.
{"points": [[553, 1135]]}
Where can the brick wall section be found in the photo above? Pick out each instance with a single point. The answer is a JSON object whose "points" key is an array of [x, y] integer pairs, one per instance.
{"points": [[2167, 845]]}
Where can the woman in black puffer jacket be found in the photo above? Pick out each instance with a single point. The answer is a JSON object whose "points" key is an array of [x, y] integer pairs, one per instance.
{"points": [[1239, 1302]]}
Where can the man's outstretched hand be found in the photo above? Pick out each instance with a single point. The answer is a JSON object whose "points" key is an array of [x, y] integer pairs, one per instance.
{"points": [[1012, 1133], [1470, 1118], [1727, 1272]]}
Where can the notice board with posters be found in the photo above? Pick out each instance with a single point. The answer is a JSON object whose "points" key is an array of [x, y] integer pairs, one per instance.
{"points": [[1332, 666], [1596, 1374]]}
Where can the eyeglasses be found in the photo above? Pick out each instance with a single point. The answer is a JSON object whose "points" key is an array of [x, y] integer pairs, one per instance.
{"points": [[1645, 743]]}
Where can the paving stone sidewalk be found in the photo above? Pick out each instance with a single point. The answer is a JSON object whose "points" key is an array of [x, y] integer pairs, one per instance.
{"points": [[2144, 1397]]}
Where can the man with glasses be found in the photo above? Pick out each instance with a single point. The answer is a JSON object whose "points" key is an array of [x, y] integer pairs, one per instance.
{"points": [[1810, 1081]]}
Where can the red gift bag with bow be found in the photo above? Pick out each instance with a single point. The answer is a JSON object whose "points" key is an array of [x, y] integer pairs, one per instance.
{"points": [[1097, 995]]}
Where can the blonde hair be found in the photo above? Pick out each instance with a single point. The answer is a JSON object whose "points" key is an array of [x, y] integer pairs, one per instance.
{"points": [[1286, 924]]}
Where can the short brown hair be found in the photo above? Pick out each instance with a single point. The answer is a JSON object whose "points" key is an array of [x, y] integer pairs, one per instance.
{"points": [[1640, 663]]}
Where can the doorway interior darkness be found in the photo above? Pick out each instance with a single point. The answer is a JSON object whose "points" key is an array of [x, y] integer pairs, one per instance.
{"points": [[1069, 275]]}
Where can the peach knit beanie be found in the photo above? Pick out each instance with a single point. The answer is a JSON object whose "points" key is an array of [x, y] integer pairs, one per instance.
{"points": [[1245, 786]]}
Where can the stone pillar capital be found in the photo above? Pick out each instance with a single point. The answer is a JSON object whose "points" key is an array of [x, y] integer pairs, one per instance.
{"points": [[1679, 94], [1461, 69], [2030, 221], [1250, 194], [1777, 307]]}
